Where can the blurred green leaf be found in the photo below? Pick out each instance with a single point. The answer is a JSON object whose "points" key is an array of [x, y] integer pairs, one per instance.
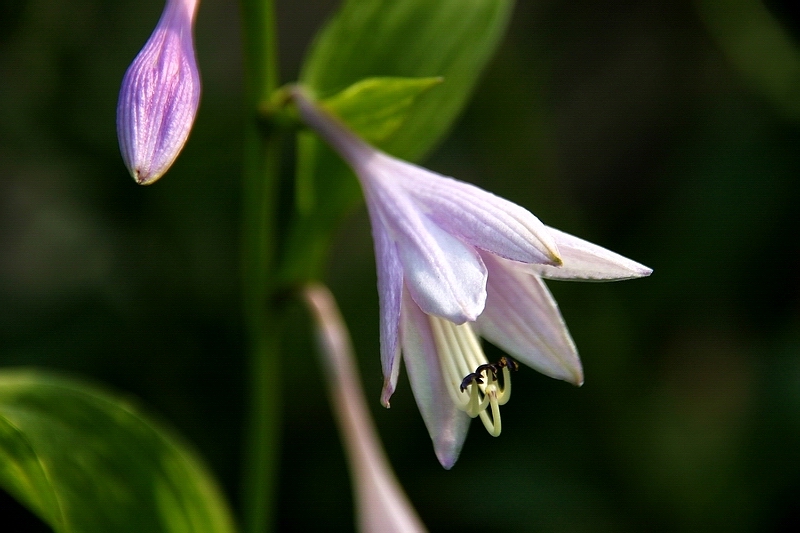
{"points": [[759, 47], [451, 39], [86, 461], [375, 108]]}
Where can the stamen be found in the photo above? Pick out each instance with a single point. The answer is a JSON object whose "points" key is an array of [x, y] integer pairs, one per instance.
{"points": [[476, 404], [492, 424], [449, 359], [505, 392], [459, 350], [507, 364]]}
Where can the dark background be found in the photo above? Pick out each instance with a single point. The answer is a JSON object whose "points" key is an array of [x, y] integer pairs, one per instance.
{"points": [[630, 124]]}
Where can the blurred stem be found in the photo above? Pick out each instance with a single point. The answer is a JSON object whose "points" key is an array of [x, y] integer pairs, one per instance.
{"points": [[263, 323]]}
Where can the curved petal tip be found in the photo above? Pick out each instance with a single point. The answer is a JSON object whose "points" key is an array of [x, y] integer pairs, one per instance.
{"points": [[386, 393]]}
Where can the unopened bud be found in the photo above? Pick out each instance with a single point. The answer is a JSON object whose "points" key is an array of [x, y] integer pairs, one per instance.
{"points": [[159, 96]]}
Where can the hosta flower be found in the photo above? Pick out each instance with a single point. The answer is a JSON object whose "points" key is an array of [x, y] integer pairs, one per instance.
{"points": [[159, 96], [381, 504], [456, 263]]}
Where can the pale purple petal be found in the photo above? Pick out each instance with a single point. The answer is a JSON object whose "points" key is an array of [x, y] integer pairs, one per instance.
{"points": [[481, 218], [390, 287], [447, 425], [585, 261], [159, 96], [522, 318], [443, 274]]}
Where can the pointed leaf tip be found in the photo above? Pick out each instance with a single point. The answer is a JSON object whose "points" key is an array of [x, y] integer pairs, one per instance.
{"points": [[375, 108]]}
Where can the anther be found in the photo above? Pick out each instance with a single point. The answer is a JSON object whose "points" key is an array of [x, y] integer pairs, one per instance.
{"points": [[485, 369], [507, 362], [475, 377]]}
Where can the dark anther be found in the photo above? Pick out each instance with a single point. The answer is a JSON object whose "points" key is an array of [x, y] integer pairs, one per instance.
{"points": [[488, 366], [508, 363], [494, 368], [470, 379]]}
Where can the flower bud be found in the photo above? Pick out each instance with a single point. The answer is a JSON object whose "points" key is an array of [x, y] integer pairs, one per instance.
{"points": [[159, 96]]}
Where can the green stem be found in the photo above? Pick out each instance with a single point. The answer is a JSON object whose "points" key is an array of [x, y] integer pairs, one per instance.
{"points": [[262, 319]]}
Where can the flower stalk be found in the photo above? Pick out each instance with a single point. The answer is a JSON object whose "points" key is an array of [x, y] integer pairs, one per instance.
{"points": [[262, 149], [381, 504]]}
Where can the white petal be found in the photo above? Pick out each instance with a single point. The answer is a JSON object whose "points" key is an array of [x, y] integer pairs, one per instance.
{"points": [[445, 276], [447, 425], [583, 260], [522, 318], [390, 287], [479, 217]]}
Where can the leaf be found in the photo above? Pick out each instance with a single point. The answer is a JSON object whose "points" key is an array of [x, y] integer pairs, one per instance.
{"points": [[85, 461], [375, 108], [451, 39]]}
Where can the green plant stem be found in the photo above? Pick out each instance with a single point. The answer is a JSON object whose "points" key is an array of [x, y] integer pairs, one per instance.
{"points": [[262, 319]]}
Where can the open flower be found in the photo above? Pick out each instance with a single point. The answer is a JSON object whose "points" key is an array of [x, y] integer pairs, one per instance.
{"points": [[159, 96], [456, 263]]}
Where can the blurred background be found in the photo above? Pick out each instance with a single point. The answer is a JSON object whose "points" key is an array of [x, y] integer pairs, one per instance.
{"points": [[666, 131]]}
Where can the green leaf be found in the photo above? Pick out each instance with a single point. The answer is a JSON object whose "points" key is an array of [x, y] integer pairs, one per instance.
{"points": [[86, 461], [376, 108], [451, 39]]}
